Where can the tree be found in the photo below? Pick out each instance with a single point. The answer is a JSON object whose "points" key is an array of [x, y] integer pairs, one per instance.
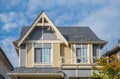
{"points": [[107, 67]]}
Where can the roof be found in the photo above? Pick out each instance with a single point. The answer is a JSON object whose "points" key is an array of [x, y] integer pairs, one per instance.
{"points": [[74, 34], [113, 50], [35, 70], [40, 21], [6, 59]]}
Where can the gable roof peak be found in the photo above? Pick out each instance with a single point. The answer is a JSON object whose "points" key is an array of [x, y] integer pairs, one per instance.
{"points": [[42, 20]]}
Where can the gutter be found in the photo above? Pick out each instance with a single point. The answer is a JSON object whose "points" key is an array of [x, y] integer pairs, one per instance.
{"points": [[37, 74]]}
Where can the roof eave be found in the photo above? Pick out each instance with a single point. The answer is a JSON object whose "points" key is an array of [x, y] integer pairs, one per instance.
{"points": [[36, 74], [15, 43], [102, 43]]}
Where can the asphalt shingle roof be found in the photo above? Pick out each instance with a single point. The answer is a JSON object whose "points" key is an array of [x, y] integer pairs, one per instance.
{"points": [[74, 34], [35, 70]]}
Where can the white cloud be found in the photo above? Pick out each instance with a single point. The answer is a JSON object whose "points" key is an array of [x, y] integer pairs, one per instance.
{"points": [[9, 26], [62, 19], [102, 20], [105, 23], [9, 50], [7, 17], [12, 20], [9, 4]]}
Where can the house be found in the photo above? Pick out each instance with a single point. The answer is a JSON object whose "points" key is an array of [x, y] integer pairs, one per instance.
{"points": [[5, 65], [47, 51], [114, 50]]}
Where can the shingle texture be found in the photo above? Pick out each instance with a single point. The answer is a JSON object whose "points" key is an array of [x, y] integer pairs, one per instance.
{"points": [[35, 70], [74, 34], [78, 34]]}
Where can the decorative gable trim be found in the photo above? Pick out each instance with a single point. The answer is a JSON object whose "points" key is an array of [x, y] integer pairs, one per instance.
{"points": [[43, 20]]}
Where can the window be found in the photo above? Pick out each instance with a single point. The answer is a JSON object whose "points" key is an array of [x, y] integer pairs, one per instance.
{"points": [[46, 56], [42, 53], [96, 52], [81, 53]]}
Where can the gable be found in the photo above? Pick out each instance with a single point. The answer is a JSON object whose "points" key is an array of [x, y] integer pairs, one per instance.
{"points": [[43, 21], [45, 33]]}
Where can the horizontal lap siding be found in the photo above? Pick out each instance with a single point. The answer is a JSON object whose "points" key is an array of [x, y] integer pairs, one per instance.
{"points": [[29, 55], [56, 54], [66, 54], [23, 55], [73, 60], [90, 53]]}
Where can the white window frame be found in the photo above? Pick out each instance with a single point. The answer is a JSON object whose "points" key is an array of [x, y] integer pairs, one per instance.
{"points": [[87, 53], [44, 55], [42, 64]]}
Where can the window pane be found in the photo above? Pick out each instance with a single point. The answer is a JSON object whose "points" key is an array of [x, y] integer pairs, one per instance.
{"points": [[42, 54], [84, 46], [81, 53], [47, 55], [38, 55]]}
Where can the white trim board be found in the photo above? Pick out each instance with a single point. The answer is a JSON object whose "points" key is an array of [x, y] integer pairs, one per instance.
{"points": [[43, 15]]}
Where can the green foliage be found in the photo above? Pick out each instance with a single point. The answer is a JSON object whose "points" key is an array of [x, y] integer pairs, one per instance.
{"points": [[107, 67]]}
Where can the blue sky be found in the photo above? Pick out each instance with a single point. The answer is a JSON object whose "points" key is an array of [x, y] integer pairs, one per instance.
{"points": [[102, 16]]}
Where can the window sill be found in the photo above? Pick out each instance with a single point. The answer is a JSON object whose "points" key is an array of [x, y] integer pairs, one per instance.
{"points": [[42, 63]]}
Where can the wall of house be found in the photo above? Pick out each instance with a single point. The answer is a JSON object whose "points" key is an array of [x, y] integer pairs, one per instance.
{"points": [[69, 53], [56, 54], [45, 33], [49, 34], [30, 55], [60, 50], [73, 54], [29, 61], [90, 53], [65, 53], [23, 55], [4, 67]]}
